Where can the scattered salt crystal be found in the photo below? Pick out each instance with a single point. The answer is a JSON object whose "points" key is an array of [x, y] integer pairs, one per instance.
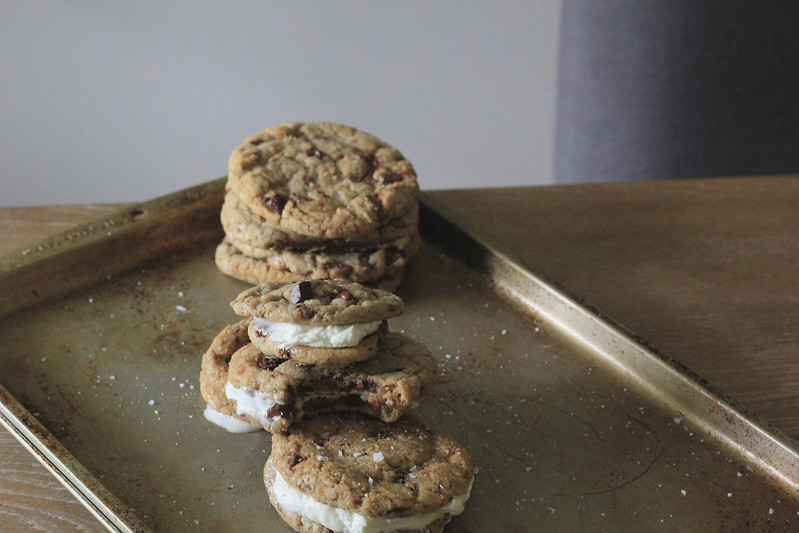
{"points": [[357, 454], [677, 420], [151, 402], [378, 457], [770, 510], [181, 308], [683, 492], [321, 458]]}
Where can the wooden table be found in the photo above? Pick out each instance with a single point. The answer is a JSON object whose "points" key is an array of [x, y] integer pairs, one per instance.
{"points": [[705, 270]]}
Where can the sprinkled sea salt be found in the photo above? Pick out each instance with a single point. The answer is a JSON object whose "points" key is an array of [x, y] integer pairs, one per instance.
{"points": [[378, 457]]}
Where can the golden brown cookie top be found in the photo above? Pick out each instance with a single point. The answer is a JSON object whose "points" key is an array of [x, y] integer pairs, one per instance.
{"points": [[322, 179], [371, 467], [328, 302]]}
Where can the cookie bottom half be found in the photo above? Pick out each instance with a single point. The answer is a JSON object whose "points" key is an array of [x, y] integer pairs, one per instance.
{"points": [[381, 273], [337, 520]]}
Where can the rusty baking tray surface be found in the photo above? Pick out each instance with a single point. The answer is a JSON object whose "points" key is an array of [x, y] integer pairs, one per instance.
{"points": [[573, 424]]}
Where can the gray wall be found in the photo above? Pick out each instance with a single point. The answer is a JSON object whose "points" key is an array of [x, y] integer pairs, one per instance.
{"points": [[112, 102]]}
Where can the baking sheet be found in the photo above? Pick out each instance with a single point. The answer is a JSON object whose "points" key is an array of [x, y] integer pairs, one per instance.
{"points": [[573, 424]]}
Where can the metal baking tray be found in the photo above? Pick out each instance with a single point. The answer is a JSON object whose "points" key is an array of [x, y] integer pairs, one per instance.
{"points": [[573, 423]]}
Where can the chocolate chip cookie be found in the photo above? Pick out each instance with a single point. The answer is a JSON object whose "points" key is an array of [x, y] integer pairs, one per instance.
{"points": [[248, 231], [322, 179], [323, 302], [354, 473], [276, 392], [381, 267], [214, 376]]}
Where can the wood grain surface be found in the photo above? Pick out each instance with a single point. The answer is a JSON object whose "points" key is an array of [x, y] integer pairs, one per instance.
{"points": [[31, 499]]}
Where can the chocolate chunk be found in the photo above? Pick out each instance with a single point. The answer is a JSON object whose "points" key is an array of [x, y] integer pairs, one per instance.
{"points": [[306, 312], [345, 295], [275, 411], [344, 270], [295, 459], [391, 178], [315, 152], [300, 292], [275, 203], [377, 204], [372, 163], [268, 363]]}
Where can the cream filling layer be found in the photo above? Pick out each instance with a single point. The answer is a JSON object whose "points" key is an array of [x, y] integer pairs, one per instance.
{"points": [[343, 521], [285, 334], [250, 402], [230, 423]]}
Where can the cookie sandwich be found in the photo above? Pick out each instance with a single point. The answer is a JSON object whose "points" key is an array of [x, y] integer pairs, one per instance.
{"points": [[322, 346], [318, 200], [355, 474], [214, 377]]}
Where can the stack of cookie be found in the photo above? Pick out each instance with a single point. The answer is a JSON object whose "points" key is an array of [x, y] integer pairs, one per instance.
{"points": [[318, 200], [315, 364]]}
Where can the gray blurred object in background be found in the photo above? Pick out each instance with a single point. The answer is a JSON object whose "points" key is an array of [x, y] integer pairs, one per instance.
{"points": [[660, 89]]}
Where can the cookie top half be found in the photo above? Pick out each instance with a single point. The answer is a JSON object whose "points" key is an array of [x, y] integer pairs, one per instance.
{"points": [[371, 467], [324, 302], [322, 179]]}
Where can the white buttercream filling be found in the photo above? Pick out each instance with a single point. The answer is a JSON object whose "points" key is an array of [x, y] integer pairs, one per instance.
{"points": [[343, 521], [285, 334], [230, 423], [250, 402]]}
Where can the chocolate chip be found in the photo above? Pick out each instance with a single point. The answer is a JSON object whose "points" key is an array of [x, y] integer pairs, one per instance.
{"points": [[306, 312], [377, 204], [295, 459], [372, 163], [274, 411], [275, 203], [256, 142], [344, 270], [346, 295], [315, 152], [300, 292], [268, 363], [363, 384], [391, 178]]}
